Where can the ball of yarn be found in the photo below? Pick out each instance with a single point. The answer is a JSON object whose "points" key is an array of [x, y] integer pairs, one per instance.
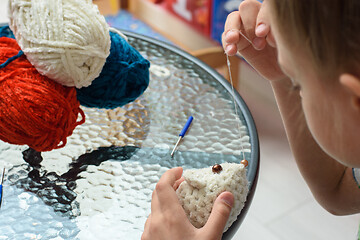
{"points": [[66, 40], [34, 110], [5, 31], [125, 77]]}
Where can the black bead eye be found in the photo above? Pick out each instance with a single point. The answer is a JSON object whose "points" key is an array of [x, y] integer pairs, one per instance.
{"points": [[217, 168]]}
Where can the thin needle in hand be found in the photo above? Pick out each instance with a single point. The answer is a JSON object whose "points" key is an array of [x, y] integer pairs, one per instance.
{"points": [[243, 35]]}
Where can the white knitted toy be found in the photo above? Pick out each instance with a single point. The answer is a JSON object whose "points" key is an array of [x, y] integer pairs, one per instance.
{"points": [[66, 40], [201, 187]]}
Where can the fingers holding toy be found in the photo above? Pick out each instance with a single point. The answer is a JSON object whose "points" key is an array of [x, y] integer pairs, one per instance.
{"points": [[164, 190], [219, 216], [196, 204], [177, 183], [167, 219], [163, 196]]}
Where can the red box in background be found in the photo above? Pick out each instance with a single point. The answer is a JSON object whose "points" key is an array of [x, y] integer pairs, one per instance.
{"points": [[197, 13]]}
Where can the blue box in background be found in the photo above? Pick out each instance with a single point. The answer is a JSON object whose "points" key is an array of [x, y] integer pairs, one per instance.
{"points": [[220, 11]]}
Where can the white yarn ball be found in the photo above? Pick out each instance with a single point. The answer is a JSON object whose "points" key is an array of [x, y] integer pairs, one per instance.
{"points": [[66, 40]]}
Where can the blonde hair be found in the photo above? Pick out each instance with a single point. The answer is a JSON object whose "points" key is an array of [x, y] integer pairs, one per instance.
{"points": [[328, 29]]}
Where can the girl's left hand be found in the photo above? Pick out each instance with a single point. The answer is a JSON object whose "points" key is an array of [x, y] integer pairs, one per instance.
{"points": [[168, 219]]}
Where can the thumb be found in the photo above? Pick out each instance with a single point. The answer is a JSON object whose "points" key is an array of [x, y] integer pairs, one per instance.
{"points": [[263, 30], [219, 215], [262, 21]]}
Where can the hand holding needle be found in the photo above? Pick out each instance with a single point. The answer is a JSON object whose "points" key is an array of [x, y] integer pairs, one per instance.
{"points": [[242, 35], [245, 37]]}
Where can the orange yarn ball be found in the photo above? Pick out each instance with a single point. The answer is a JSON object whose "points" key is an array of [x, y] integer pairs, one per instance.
{"points": [[34, 110]]}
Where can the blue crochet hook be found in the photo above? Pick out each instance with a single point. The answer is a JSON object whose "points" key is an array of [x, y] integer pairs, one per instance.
{"points": [[1, 186], [182, 133]]}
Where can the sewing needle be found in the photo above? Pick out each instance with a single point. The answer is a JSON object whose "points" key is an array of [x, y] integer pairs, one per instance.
{"points": [[244, 36], [182, 133], [1, 186]]}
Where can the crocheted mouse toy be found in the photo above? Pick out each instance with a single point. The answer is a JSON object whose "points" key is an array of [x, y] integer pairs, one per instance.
{"points": [[201, 187]]}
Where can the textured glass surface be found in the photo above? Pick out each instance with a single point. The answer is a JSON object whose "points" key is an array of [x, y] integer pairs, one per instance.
{"points": [[99, 185]]}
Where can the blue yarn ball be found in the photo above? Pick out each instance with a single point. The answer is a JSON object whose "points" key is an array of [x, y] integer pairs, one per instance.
{"points": [[124, 77], [5, 31]]}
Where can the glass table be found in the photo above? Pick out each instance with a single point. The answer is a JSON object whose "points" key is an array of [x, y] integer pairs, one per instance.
{"points": [[99, 185]]}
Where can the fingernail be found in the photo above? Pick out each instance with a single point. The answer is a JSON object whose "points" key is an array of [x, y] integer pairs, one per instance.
{"points": [[228, 33], [227, 199], [260, 28], [257, 43], [228, 48]]}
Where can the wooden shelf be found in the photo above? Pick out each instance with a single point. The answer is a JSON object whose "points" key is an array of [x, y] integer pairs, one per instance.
{"points": [[170, 26], [186, 37], [108, 7]]}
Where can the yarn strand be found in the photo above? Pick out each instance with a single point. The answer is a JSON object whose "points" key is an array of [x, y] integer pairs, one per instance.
{"points": [[9, 60]]}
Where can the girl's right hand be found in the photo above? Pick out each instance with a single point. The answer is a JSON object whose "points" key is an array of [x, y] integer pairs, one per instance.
{"points": [[253, 21]]}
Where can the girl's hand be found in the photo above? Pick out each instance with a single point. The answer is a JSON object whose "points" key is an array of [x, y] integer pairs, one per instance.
{"points": [[168, 219], [252, 20]]}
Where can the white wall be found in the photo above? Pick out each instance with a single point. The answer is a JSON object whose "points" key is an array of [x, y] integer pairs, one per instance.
{"points": [[3, 11]]}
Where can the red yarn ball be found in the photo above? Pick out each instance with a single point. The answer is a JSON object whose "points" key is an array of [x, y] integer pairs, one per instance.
{"points": [[34, 110]]}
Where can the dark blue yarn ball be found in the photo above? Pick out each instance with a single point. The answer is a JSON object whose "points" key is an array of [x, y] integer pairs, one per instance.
{"points": [[124, 77], [5, 31]]}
